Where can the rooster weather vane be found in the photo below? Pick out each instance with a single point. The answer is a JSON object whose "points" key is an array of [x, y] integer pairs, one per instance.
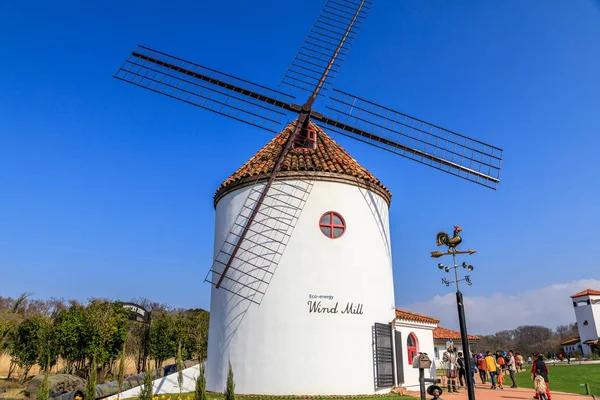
{"points": [[442, 238], [313, 70]]}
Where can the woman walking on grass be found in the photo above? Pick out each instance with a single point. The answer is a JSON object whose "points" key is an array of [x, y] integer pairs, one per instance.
{"points": [[539, 366]]}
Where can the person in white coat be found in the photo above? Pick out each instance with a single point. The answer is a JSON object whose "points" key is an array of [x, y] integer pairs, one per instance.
{"points": [[449, 358]]}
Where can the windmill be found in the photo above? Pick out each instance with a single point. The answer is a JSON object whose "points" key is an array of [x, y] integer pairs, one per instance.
{"points": [[256, 225]]}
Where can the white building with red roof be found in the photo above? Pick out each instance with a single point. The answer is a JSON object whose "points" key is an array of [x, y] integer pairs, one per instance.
{"points": [[417, 333], [442, 337], [413, 335], [306, 325], [587, 311]]}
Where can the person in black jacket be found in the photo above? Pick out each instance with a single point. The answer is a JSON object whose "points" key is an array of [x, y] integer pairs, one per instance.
{"points": [[540, 366], [462, 370]]}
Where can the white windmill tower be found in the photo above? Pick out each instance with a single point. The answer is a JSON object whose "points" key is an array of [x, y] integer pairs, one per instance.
{"points": [[312, 332], [302, 274]]}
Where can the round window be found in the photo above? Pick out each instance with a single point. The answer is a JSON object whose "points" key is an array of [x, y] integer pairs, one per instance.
{"points": [[332, 225]]}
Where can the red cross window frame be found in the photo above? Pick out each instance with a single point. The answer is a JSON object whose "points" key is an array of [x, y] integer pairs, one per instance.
{"points": [[329, 226], [412, 347]]}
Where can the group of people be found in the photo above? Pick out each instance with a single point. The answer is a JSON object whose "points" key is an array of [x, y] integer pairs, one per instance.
{"points": [[495, 366]]}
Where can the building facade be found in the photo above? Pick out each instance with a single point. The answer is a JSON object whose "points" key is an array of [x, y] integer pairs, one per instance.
{"points": [[587, 312], [414, 336], [312, 333]]}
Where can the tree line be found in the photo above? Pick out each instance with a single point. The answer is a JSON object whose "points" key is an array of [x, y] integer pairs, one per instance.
{"points": [[528, 339], [40, 332]]}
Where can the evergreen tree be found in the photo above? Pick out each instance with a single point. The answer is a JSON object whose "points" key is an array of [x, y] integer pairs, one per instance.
{"points": [[146, 391], [179, 367], [44, 389], [121, 373], [200, 393], [90, 385], [230, 388]]}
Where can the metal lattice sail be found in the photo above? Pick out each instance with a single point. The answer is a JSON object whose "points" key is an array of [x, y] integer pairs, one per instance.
{"points": [[256, 242]]}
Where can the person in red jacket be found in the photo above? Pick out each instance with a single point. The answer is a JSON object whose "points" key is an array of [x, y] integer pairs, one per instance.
{"points": [[481, 368], [540, 365]]}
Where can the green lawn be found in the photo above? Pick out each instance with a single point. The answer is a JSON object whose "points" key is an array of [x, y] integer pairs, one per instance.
{"points": [[564, 378]]}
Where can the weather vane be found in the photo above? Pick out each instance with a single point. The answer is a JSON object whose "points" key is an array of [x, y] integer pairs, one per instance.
{"points": [[442, 238]]}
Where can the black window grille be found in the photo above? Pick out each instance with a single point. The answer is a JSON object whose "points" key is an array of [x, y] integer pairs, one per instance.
{"points": [[384, 356]]}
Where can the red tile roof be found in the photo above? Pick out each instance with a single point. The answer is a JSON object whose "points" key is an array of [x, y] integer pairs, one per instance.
{"points": [[587, 292], [445, 333], [328, 161], [592, 341], [570, 341], [413, 317]]}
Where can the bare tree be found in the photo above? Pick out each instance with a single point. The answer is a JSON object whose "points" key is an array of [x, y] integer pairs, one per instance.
{"points": [[534, 339], [566, 332]]}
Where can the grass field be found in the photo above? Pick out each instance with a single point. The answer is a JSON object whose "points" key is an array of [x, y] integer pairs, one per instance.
{"points": [[564, 378]]}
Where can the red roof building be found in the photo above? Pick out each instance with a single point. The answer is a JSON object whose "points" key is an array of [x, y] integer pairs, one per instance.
{"points": [[571, 342], [414, 317], [586, 305], [587, 292], [441, 333], [421, 333]]}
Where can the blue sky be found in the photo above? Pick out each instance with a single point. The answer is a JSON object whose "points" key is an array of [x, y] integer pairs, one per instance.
{"points": [[106, 189]]}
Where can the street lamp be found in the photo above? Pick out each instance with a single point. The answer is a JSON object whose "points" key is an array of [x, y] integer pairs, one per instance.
{"points": [[451, 242]]}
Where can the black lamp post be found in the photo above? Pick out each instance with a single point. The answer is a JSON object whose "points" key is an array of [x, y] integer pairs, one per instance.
{"points": [[459, 298]]}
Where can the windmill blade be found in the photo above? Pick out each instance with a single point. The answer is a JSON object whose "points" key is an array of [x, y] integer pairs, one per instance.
{"points": [[413, 138], [245, 265], [327, 45], [206, 88]]}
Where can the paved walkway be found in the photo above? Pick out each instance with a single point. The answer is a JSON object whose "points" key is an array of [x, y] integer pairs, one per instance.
{"points": [[485, 393]]}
